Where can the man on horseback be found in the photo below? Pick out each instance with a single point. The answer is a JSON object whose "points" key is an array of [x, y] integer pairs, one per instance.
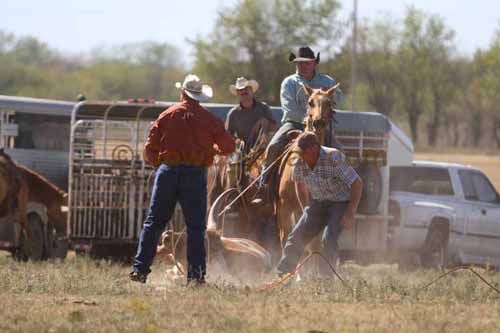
{"points": [[241, 121], [181, 144], [335, 190], [294, 104]]}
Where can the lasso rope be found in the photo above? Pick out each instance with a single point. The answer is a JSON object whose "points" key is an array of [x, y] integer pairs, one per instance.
{"points": [[286, 151], [287, 277]]}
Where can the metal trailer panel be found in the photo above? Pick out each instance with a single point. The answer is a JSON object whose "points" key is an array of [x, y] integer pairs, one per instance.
{"points": [[107, 181]]}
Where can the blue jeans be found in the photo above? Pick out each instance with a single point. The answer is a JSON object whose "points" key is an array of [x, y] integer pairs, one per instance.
{"points": [[276, 145], [188, 186], [317, 216]]}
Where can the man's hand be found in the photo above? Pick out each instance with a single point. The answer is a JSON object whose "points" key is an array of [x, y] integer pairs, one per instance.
{"points": [[348, 220]]}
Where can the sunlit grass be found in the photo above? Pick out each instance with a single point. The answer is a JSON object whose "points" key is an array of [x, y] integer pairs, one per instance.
{"points": [[85, 295]]}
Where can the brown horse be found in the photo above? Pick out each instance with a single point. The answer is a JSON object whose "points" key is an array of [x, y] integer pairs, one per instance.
{"points": [[20, 185], [42, 191], [292, 197], [233, 174], [13, 191]]}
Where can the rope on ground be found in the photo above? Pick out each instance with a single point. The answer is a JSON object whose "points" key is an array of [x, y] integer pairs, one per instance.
{"points": [[479, 276], [288, 276]]}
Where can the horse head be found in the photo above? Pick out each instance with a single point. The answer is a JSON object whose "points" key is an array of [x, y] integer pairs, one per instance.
{"points": [[320, 109]]}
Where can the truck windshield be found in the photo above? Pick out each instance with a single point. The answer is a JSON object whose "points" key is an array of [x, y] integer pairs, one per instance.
{"points": [[421, 180]]}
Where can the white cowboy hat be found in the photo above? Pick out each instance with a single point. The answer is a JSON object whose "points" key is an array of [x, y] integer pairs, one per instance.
{"points": [[242, 83], [193, 87]]}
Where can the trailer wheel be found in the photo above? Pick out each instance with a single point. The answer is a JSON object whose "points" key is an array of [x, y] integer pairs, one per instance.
{"points": [[32, 248], [434, 254], [56, 248], [36, 237]]}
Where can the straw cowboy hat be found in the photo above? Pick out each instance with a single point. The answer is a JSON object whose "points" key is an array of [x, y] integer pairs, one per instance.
{"points": [[242, 83], [193, 87], [304, 54]]}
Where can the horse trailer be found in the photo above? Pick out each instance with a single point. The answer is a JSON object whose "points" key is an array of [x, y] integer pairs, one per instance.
{"points": [[372, 144], [109, 182]]}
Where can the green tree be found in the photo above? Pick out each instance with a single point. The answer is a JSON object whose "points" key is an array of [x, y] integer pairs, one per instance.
{"points": [[378, 45], [443, 73], [424, 69], [253, 38], [487, 67]]}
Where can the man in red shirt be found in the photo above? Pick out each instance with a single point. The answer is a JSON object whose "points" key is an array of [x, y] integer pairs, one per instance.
{"points": [[181, 145]]}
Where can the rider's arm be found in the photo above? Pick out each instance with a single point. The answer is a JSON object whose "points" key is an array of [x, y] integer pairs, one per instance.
{"points": [[230, 123], [288, 95]]}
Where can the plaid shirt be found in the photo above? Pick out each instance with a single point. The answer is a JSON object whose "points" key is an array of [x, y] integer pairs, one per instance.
{"points": [[331, 178]]}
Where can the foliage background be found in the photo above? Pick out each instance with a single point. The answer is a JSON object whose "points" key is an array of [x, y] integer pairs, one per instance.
{"points": [[409, 68]]}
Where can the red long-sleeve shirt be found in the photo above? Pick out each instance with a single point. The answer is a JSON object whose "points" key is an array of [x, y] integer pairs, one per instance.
{"points": [[187, 133]]}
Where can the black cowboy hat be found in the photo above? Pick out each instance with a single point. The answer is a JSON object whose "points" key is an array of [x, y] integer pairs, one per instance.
{"points": [[304, 54]]}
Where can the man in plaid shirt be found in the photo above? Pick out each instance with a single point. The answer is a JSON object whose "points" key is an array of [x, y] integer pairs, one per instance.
{"points": [[335, 190]]}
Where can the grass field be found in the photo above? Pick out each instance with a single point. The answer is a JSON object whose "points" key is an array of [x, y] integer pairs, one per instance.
{"points": [[81, 295]]}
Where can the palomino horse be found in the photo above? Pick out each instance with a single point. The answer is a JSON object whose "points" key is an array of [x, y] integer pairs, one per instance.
{"points": [[292, 197], [232, 175]]}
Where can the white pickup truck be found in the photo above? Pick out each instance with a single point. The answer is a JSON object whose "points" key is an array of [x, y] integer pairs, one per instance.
{"points": [[443, 214]]}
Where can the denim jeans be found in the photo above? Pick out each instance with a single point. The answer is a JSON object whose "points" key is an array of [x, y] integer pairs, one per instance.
{"points": [[188, 186], [276, 145], [318, 215]]}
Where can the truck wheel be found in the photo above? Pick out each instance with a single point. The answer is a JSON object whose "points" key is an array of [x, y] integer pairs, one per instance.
{"points": [[434, 255]]}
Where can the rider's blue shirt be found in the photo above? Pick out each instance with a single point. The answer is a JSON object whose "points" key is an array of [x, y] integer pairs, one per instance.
{"points": [[294, 99]]}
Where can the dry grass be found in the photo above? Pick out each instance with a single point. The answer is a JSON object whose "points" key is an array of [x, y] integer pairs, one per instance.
{"points": [[83, 295], [488, 163]]}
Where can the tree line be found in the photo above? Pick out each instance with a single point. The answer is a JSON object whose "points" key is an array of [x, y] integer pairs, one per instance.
{"points": [[409, 69]]}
